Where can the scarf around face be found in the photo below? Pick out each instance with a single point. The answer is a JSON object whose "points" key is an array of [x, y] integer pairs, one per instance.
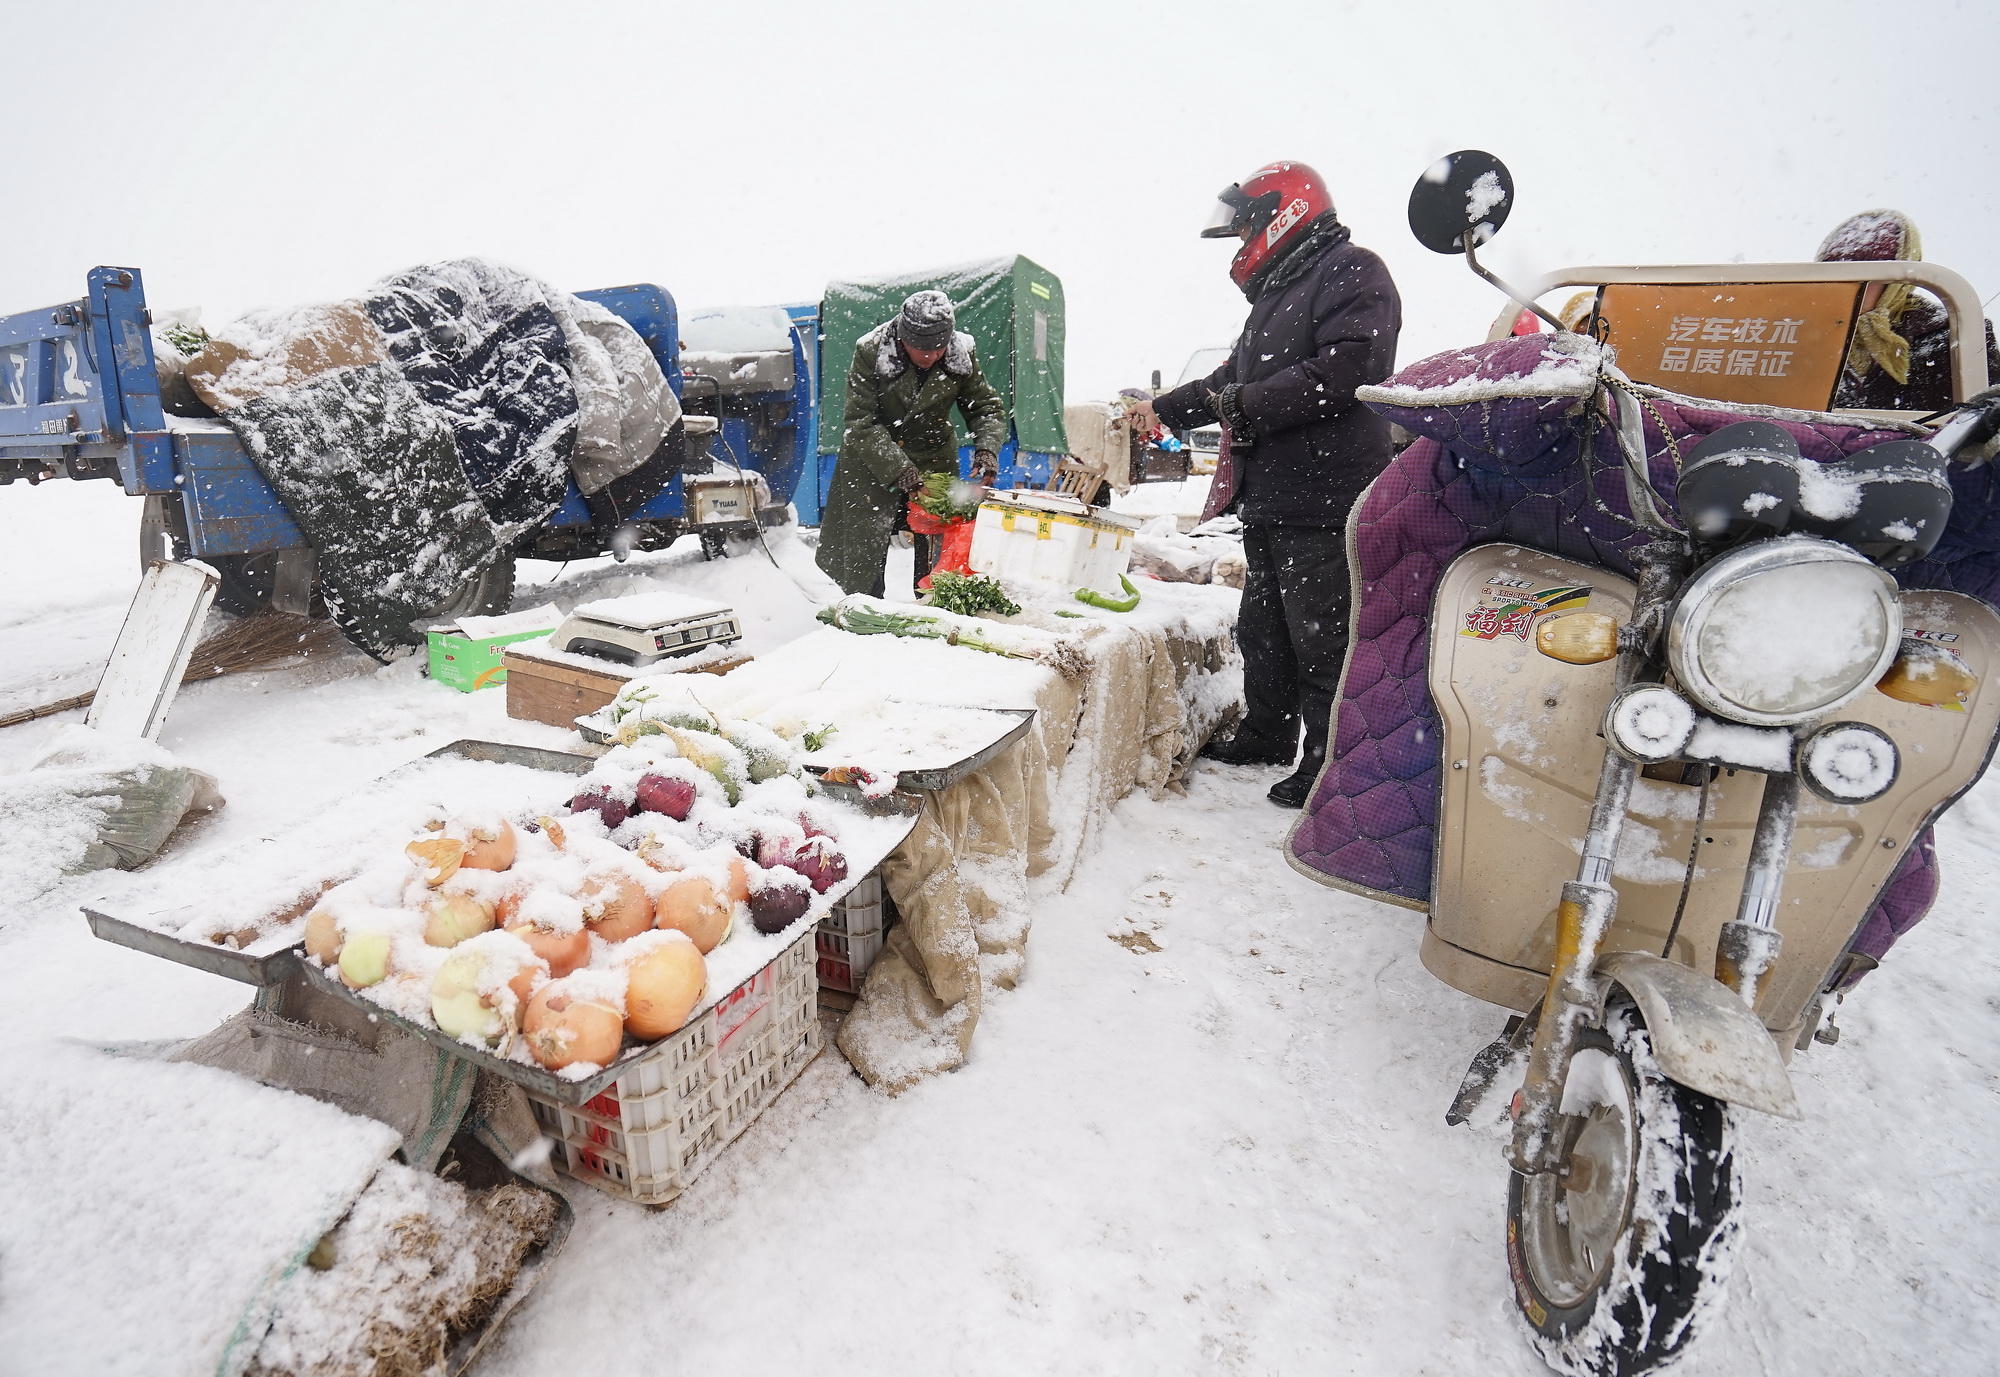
{"points": [[1876, 340], [1321, 235]]}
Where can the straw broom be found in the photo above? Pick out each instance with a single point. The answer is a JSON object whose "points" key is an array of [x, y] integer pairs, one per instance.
{"points": [[268, 640]]}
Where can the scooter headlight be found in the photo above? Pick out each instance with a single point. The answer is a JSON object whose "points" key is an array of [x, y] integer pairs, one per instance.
{"points": [[1784, 631]]}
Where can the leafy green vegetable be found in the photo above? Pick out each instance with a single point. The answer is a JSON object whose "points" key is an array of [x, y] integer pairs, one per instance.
{"points": [[189, 339], [1106, 601], [941, 498], [865, 616], [969, 595], [815, 738]]}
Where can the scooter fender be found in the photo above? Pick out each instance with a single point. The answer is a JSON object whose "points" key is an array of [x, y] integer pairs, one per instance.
{"points": [[1704, 1037]]}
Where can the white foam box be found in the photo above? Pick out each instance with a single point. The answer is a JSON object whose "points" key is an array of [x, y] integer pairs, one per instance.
{"points": [[1051, 539]]}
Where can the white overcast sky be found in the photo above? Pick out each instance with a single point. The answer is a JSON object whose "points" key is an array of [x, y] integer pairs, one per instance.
{"points": [[274, 153]]}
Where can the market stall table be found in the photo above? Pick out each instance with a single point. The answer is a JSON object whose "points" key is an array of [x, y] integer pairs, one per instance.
{"points": [[747, 1036], [1144, 691]]}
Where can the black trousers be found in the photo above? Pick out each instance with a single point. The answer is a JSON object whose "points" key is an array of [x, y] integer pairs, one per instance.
{"points": [[1293, 634]]}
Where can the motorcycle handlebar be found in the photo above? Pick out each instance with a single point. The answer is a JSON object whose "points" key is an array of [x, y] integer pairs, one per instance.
{"points": [[1976, 422]]}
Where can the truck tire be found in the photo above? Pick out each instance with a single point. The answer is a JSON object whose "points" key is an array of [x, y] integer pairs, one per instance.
{"points": [[243, 581], [488, 593]]}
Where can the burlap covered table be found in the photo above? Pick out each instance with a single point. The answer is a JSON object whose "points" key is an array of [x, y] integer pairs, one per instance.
{"points": [[1156, 683]]}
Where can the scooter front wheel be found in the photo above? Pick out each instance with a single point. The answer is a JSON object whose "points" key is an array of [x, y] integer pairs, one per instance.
{"points": [[1614, 1256]]}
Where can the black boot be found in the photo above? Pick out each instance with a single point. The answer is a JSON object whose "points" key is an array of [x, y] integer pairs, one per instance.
{"points": [[1293, 790], [1242, 749]]}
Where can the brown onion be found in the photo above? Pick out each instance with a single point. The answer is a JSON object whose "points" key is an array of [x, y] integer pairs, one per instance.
{"points": [[451, 918], [322, 936], [662, 987], [737, 887], [564, 951], [694, 906], [491, 850], [616, 906], [560, 1029]]}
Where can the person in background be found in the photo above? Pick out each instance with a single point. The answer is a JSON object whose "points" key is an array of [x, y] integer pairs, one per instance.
{"points": [[1900, 356], [908, 374], [1297, 451]]}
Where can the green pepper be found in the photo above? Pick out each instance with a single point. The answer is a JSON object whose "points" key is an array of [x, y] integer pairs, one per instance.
{"points": [[1106, 601]]}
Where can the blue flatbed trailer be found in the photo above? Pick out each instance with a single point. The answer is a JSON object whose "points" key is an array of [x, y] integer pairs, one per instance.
{"points": [[80, 398]]}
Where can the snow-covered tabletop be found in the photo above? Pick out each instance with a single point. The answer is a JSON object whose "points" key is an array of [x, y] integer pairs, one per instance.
{"points": [[1155, 682]]}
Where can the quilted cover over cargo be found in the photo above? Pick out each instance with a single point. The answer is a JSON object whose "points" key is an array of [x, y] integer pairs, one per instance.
{"points": [[1499, 429], [417, 432]]}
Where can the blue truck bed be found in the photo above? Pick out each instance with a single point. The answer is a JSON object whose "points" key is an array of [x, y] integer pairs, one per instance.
{"points": [[80, 398]]}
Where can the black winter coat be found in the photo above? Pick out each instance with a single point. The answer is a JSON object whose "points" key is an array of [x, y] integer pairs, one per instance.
{"points": [[1307, 345]]}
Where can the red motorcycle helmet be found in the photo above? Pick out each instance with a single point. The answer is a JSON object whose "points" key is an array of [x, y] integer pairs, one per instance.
{"points": [[1275, 203]]}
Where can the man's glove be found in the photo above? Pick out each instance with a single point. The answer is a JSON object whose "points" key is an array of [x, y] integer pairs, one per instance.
{"points": [[985, 465], [910, 480], [1228, 408]]}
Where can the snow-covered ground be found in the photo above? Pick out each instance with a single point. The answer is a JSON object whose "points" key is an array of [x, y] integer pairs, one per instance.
{"points": [[1206, 1134]]}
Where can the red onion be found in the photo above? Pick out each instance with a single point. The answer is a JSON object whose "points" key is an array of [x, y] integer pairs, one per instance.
{"points": [[600, 802], [666, 794], [779, 901], [820, 861]]}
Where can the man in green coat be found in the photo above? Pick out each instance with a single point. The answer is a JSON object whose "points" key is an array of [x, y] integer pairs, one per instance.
{"points": [[908, 374]]}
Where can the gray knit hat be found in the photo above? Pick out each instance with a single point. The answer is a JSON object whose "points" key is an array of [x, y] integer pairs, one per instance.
{"points": [[927, 320]]}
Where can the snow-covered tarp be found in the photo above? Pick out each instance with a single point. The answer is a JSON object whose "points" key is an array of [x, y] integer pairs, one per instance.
{"points": [[184, 1195]]}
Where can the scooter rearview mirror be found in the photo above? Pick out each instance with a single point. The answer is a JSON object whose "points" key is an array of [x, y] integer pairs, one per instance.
{"points": [[1468, 192], [1459, 203]]}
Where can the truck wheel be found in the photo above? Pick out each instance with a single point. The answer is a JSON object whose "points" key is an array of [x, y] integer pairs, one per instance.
{"points": [[1615, 1256], [488, 593], [243, 581]]}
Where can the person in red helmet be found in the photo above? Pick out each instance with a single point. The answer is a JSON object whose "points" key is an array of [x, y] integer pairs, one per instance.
{"points": [[1297, 451]]}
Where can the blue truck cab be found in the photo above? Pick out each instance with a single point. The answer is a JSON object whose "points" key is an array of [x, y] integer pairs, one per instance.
{"points": [[80, 398]]}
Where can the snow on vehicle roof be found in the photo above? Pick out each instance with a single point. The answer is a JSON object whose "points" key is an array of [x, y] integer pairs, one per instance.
{"points": [[737, 330], [951, 276]]}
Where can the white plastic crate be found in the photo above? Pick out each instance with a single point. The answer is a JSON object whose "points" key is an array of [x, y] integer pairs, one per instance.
{"points": [[844, 958], [656, 1129], [860, 911], [1050, 539]]}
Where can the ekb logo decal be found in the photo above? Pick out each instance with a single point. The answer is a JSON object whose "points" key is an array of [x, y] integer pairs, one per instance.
{"points": [[1284, 220]]}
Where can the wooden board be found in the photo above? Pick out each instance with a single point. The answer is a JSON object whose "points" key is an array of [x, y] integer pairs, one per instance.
{"points": [[539, 691], [151, 655]]}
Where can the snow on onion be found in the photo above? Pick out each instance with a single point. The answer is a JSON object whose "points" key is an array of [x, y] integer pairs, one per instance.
{"points": [[563, 1026], [451, 918], [696, 907]]}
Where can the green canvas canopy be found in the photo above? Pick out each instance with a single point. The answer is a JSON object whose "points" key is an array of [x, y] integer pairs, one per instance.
{"points": [[1012, 308]]}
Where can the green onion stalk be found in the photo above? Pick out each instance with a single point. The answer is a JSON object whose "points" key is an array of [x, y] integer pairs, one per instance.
{"points": [[866, 616]]}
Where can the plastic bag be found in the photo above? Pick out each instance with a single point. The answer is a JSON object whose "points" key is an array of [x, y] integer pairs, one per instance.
{"points": [[135, 792]]}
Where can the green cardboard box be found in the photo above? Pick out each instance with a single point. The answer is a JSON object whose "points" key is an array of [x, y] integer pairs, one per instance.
{"points": [[467, 663]]}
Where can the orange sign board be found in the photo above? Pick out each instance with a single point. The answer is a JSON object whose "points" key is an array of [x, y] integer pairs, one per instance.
{"points": [[1771, 343]]}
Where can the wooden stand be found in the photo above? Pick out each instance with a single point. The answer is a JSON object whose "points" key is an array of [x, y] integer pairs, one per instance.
{"points": [[558, 693]]}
